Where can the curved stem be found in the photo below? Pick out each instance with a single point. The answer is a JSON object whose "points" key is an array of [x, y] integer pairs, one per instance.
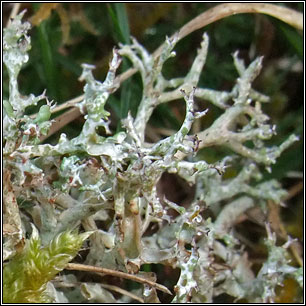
{"points": [[87, 268]]}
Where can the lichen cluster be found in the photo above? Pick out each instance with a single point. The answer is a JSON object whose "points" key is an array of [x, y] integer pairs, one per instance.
{"points": [[99, 178]]}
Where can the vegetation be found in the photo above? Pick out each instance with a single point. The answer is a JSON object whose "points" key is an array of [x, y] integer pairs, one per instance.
{"points": [[197, 201]]}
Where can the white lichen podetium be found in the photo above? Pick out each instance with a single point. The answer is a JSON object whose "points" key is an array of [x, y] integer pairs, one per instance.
{"points": [[18, 129], [96, 95], [274, 270], [154, 84], [186, 283], [16, 44]]}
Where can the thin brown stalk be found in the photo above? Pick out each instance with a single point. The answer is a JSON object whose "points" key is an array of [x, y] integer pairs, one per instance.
{"points": [[67, 104], [279, 228], [294, 190], [123, 292], [87, 268], [14, 13], [62, 121], [59, 282], [218, 12]]}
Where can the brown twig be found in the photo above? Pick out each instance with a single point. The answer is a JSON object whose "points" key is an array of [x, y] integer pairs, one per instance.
{"points": [[123, 292], [14, 13], [294, 190], [67, 104], [218, 12], [62, 121], [87, 268], [279, 228], [61, 283]]}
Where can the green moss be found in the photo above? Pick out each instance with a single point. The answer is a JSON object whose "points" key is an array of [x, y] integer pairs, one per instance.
{"points": [[26, 276]]}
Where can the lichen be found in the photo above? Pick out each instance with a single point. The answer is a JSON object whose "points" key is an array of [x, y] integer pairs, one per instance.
{"points": [[89, 179]]}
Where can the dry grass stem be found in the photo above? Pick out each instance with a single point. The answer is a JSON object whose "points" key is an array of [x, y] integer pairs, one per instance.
{"points": [[87, 268]]}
